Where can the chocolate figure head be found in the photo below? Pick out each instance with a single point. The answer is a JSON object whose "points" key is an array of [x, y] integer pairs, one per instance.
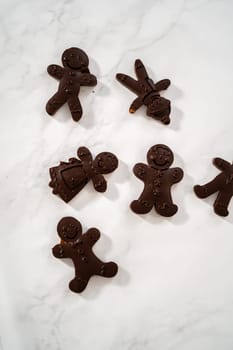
{"points": [[105, 162], [69, 229], [160, 157], [158, 108], [75, 58]]}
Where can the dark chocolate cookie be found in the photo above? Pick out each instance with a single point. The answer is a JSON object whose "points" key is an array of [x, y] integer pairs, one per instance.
{"points": [[74, 74], [69, 178], [148, 93], [158, 178], [223, 184], [78, 247]]}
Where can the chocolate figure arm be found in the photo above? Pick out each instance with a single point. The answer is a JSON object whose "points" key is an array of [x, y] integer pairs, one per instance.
{"points": [[84, 154], [99, 183], [176, 175], [61, 251], [137, 103], [140, 70], [129, 82], [88, 79], [162, 85], [141, 170], [100, 268], [91, 236], [221, 164], [55, 71]]}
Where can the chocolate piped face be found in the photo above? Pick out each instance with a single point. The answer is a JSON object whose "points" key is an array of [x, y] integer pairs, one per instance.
{"points": [[69, 229], [160, 157], [75, 58], [106, 162]]}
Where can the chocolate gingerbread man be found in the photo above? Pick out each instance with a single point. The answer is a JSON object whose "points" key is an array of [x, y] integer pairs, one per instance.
{"points": [[69, 178], [158, 178], [222, 183], [74, 74], [148, 93], [78, 247]]}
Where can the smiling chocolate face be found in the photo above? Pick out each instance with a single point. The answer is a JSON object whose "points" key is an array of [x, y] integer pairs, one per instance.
{"points": [[106, 162], [75, 58], [160, 157], [158, 108], [69, 229]]}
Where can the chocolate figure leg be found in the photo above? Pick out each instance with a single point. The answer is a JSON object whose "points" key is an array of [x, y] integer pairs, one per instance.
{"points": [[140, 70], [55, 102], [108, 269], [209, 188], [75, 108], [164, 205], [144, 204], [78, 284], [129, 82], [221, 203]]}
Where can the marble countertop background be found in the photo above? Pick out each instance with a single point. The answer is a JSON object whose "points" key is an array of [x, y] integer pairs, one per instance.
{"points": [[174, 289]]}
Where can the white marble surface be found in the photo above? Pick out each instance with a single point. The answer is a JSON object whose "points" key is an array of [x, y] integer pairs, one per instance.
{"points": [[174, 290]]}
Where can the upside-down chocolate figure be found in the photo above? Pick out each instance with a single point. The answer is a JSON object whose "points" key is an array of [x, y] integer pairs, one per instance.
{"points": [[148, 93]]}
